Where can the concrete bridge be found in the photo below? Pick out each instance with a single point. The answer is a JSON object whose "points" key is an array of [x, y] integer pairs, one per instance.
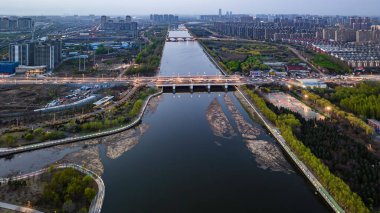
{"points": [[179, 39], [159, 81], [199, 81]]}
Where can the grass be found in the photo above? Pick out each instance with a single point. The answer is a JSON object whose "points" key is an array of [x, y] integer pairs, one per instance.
{"points": [[331, 64]]}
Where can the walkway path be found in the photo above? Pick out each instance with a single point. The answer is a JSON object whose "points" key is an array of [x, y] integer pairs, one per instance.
{"points": [[96, 204], [17, 208]]}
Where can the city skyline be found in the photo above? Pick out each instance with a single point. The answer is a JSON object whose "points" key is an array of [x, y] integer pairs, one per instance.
{"points": [[197, 7]]}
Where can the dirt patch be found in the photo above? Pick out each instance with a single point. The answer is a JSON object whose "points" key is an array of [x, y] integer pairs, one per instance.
{"points": [[20, 98]]}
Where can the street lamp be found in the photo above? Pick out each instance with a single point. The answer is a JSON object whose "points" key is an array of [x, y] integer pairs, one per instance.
{"points": [[328, 109], [306, 96]]}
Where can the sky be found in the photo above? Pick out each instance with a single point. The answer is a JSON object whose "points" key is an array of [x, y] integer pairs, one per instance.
{"points": [[189, 7]]}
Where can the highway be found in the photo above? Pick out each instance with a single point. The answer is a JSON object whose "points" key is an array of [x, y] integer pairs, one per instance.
{"points": [[96, 204]]}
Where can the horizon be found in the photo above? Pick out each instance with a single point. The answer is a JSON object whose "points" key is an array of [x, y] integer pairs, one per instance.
{"points": [[196, 7]]}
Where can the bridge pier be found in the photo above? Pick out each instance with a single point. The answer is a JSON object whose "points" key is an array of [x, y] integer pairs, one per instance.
{"points": [[173, 88], [226, 87], [191, 88], [209, 88]]}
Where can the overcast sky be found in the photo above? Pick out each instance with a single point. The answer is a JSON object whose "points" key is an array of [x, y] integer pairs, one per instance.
{"points": [[188, 7]]}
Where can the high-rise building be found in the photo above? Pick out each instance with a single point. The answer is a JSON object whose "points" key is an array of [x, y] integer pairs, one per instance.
{"points": [[128, 19], [119, 24], [360, 23], [22, 53], [345, 35], [4, 24], [103, 20], [220, 12], [364, 35], [25, 24], [375, 27], [163, 19], [12, 24], [48, 53], [329, 34]]}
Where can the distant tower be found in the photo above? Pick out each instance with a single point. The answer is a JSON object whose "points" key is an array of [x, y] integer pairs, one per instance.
{"points": [[220, 12], [103, 20], [128, 19]]}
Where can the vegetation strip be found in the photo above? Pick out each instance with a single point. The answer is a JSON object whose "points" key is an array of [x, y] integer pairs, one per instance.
{"points": [[349, 200]]}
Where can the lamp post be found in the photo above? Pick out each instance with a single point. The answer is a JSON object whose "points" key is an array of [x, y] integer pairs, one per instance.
{"points": [[328, 109]]}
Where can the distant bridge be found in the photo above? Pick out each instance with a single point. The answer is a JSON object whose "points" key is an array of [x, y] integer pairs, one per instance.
{"points": [[178, 39]]}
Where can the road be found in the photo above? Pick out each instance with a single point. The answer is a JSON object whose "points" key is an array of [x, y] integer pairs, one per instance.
{"points": [[96, 204], [298, 54], [158, 80]]}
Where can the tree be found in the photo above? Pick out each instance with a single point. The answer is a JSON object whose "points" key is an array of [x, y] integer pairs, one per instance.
{"points": [[68, 206], [89, 193]]}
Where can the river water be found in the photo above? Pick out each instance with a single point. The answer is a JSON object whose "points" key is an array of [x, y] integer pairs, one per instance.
{"points": [[197, 152]]}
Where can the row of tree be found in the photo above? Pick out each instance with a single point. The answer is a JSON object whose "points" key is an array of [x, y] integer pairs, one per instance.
{"points": [[342, 193], [336, 111], [345, 157], [149, 58]]}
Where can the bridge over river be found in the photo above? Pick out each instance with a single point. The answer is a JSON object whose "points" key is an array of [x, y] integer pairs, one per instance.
{"points": [[159, 81]]}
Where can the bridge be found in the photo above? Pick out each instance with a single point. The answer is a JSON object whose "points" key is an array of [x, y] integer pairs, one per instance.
{"points": [[206, 81], [199, 81], [179, 39]]}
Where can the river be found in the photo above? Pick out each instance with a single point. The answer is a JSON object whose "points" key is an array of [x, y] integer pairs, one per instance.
{"points": [[197, 152]]}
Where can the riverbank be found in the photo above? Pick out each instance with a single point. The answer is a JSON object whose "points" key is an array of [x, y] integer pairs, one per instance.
{"points": [[277, 135], [301, 166], [9, 151]]}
